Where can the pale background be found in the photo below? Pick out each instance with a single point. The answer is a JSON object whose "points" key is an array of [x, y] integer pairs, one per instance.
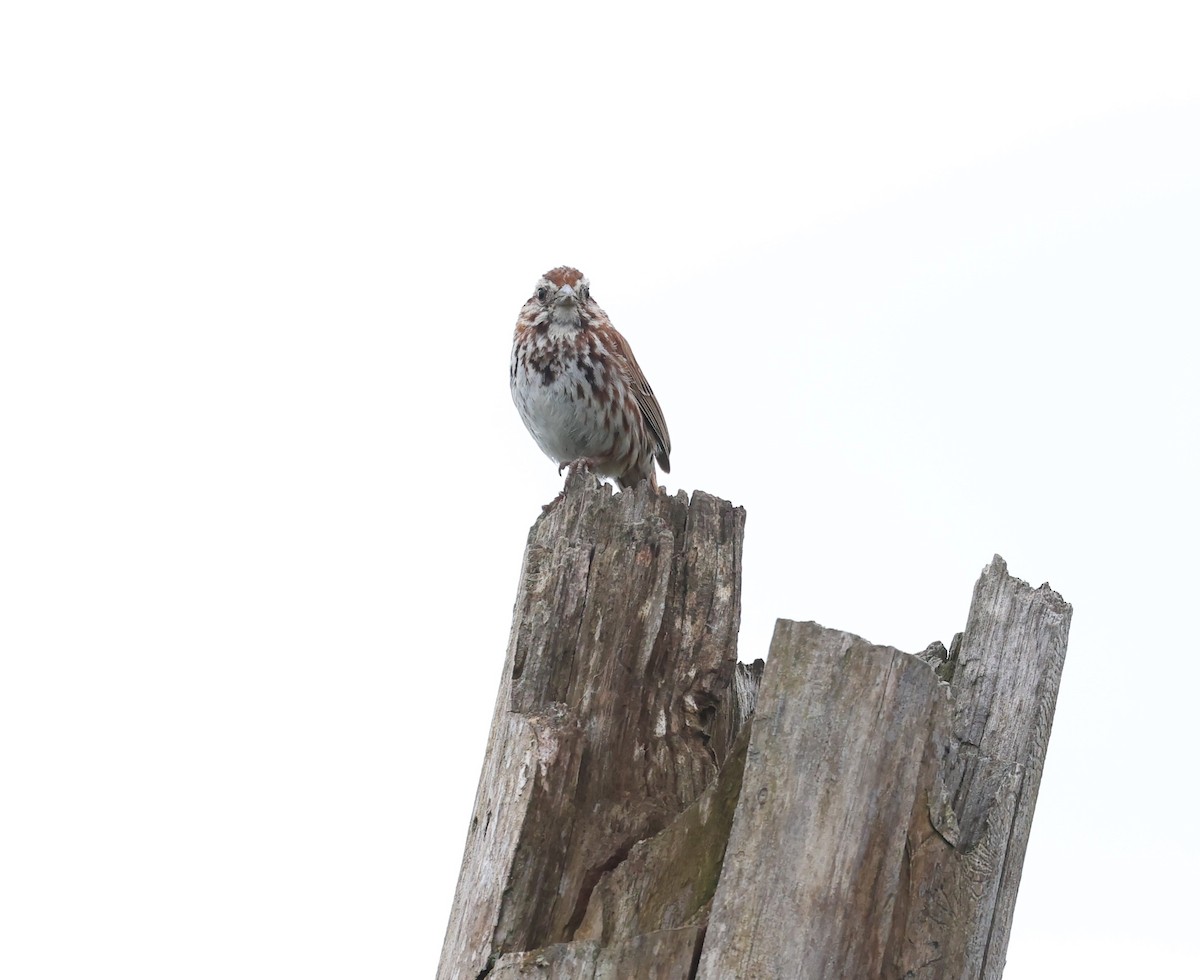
{"points": [[914, 284]]}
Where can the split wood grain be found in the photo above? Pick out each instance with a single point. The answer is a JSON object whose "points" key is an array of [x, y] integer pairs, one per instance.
{"points": [[622, 649]]}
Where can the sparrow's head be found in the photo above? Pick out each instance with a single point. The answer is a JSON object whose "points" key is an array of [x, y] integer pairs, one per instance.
{"points": [[561, 297]]}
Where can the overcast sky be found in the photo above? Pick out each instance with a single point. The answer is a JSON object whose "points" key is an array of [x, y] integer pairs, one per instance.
{"points": [[914, 285]]}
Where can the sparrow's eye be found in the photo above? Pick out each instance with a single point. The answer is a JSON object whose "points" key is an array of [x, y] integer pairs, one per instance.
{"points": [[542, 293], [583, 293]]}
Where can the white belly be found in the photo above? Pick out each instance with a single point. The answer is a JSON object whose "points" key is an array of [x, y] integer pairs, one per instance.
{"points": [[565, 426]]}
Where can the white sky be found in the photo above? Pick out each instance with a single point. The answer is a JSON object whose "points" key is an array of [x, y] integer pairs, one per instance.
{"points": [[914, 286]]}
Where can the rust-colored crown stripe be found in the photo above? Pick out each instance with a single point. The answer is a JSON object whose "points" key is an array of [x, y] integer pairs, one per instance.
{"points": [[564, 275]]}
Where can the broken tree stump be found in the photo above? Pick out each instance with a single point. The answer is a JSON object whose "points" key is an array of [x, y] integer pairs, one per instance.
{"points": [[648, 807], [623, 644]]}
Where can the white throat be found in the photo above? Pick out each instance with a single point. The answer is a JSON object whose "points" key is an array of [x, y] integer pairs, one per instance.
{"points": [[564, 318]]}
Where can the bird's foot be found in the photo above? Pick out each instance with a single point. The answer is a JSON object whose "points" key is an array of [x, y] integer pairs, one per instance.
{"points": [[577, 469], [582, 464]]}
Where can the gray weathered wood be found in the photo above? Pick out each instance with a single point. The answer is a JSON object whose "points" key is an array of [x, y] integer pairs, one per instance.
{"points": [[668, 954], [736, 708], [622, 649], [884, 815], [813, 863], [668, 880], [647, 808], [965, 854]]}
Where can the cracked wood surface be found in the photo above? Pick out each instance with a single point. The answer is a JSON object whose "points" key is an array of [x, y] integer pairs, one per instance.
{"points": [[966, 850], [884, 814], [831, 779], [667, 954], [622, 651], [649, 809]]}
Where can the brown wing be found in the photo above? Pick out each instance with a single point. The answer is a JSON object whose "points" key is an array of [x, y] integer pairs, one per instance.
{"points": [[651, 411]]}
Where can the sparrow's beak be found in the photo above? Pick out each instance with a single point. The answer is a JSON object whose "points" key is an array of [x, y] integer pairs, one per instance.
{"points": [[566, 295]]}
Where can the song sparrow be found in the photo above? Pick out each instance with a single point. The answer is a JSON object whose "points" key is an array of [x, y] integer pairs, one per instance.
{"points": [[579, 389]]}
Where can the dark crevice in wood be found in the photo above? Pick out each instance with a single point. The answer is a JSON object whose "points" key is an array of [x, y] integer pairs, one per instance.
{"points": [[691, 975], [589, 883], [634, 819]]}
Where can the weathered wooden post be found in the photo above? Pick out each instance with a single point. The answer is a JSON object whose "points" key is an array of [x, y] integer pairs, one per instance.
{"points": [[639, 815]]}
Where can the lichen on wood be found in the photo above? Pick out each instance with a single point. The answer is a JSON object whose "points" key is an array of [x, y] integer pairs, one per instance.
{"points": [[650, 808], [622, 650]]}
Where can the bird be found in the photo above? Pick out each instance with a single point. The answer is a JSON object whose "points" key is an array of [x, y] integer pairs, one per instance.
{"points": [[579, 389]]}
